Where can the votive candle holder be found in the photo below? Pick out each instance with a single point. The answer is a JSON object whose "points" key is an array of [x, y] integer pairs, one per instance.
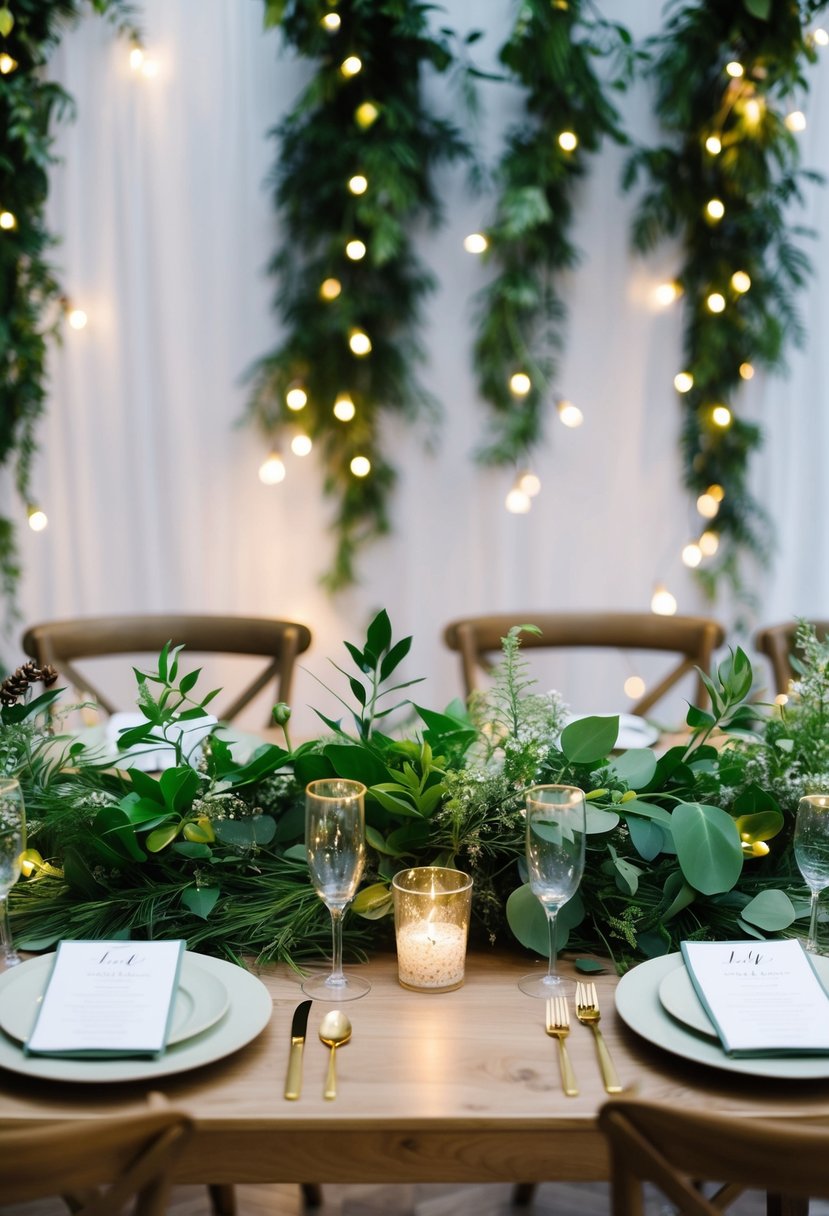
{"points": [[432, 905]]}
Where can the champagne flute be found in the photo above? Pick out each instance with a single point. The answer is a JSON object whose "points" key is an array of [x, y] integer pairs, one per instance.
{"points": [[811, 852], [555, 845], [336, 849], [12, 845]]}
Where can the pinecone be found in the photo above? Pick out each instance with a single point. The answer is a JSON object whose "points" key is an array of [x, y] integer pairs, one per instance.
{"points": [[17, 684]]}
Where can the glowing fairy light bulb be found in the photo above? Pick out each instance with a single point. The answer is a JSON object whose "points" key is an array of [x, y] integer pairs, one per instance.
{"points": [[529, 483], [351, 66], [7, 63], [360, 466], [344, 408], [366, 114], [691, 555], [136, 57], [520, 384], [820, 37], [716, 492], [301, 445], [634, 687], [358, 184], [683, 382], [38, 520], [746, 371], [568, 141], [272, 470], [359, 342], [721, 416], [666, 293], [716, 302], [708, 506], [331, 22], [713, 145], [569, 414], [330, 289], [753, 111], [355, 250], [476, 242], [296, 398], [662, 602], [77, 318], [8, 220], [709, 543], [795, 120], [715, 209], [517, 502], [740, 281], [734, 69]]}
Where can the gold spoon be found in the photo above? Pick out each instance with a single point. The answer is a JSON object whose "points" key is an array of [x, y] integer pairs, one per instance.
{"points": [[335, 1029]]}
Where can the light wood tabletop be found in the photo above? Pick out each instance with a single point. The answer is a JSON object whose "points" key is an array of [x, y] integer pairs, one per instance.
{"points": [[461, 1086]]}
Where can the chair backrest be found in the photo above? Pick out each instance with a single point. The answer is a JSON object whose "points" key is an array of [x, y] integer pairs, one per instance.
{"points": [[62, 642], [777, 643], [676, 1149], [693, 638], [103, 1164]]}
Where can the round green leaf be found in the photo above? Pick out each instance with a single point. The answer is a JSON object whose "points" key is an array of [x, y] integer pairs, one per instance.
{"points": [[635, 767], [598, 820], [770, 910], [588, 740], [708, 847], [528, 920]]}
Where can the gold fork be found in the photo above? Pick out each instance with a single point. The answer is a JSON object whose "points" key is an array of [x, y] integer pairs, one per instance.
{"points": [[558, 1026], [587, 1011]]}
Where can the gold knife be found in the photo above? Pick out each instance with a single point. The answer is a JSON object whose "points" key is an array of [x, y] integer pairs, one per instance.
{"points": [[293, 1081]]}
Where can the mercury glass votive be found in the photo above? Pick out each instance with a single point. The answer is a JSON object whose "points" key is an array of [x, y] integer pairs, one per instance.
{"points": [[431, 921]]}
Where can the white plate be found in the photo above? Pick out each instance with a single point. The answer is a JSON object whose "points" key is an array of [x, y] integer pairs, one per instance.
{"points": [[640, 1007], [633, 731], [248, 1013], [200, 1000]]}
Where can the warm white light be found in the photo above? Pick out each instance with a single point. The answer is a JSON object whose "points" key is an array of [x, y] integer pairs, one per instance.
{"points": [[296, 398], [634, 687], [301, 445], [529, 482], [662, 602], [734, 69], [359, 342], [709, 543], [330, 289], [136, 58], [331, 22], [520, 384], [37, 519], [715, 208], [351, 66], [721, 416], [796, 120], [7, 220], [360, 466], [77, 318], [150, 68], [365, 114], [683, 382], [355, 250], [820, 36], [716, 492], [517, 501], [569, 414], [358, 184], [713, 145], [476, 242], [781, 699], [7, 64], [666, 293], [753, 111], [740, 281], [746, 371], [568, 141], [691, 555], [708, 507], [344, 408], [716, 302], [272, 470]]}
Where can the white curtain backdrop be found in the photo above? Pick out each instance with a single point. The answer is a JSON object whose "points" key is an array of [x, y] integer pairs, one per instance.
{"points": [[164, 212]]}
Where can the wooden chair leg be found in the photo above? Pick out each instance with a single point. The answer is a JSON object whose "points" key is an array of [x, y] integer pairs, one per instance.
{"points": [[522, 1194], [222, 1200], [311, 1194]]}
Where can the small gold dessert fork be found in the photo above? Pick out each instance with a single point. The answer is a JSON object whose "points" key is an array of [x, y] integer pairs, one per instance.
{"points": [[587, 1011], [558, 1026]]}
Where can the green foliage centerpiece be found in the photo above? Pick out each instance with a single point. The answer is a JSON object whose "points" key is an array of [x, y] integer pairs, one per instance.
{"points": [[691, 843]]}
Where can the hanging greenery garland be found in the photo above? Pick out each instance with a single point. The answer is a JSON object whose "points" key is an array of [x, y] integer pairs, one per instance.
{"points": [[30, 295], [551, 53], [729, 75], [354, 175]]}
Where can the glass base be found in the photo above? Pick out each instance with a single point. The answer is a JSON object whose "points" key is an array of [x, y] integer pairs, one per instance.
{"points": [[324, 987], [12, 958], [545, 985]]}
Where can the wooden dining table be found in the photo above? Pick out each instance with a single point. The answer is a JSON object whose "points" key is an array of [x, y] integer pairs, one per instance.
{"points": [[459, 1087]]}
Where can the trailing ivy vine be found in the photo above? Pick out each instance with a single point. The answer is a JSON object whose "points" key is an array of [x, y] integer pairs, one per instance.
{"points": [[30, 293], [354, 176], [729, 75], [551, 53]]}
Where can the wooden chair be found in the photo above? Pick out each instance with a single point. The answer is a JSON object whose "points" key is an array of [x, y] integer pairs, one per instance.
{"points": [[693, 638], [61, 643], [103, 1164], [777, 643], [679, 1150]]}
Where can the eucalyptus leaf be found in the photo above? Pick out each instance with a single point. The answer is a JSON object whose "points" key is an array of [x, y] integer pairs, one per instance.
{"points": [[248, 833], [708, 846], [635, 767], [588, 740], [200, 900], [770, 910]]}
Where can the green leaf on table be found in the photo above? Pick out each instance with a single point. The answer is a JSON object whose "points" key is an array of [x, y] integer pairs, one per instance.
{"points": [[652, 943], [200, 900], [708, 846], [647, 837], [290, 824], [770, 910], [598, 820], [588, 740], [391, 801], [635, 767], [754, 799], [312, 766], [590, 966], [411, 836], [146, 786]]}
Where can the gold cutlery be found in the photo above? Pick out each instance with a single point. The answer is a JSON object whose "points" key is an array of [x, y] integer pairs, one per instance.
{"points": [[335, 1029], [558, 1026], [293, 1080], [587, 1011]]}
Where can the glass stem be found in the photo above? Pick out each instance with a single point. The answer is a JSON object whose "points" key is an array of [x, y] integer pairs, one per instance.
{"points": [[551, 926], [12, 958], [811, 943], [337, 945]]}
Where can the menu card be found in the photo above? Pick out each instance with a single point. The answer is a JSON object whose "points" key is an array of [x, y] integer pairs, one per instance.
{"points": [[764, 998], [108, 999]]}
